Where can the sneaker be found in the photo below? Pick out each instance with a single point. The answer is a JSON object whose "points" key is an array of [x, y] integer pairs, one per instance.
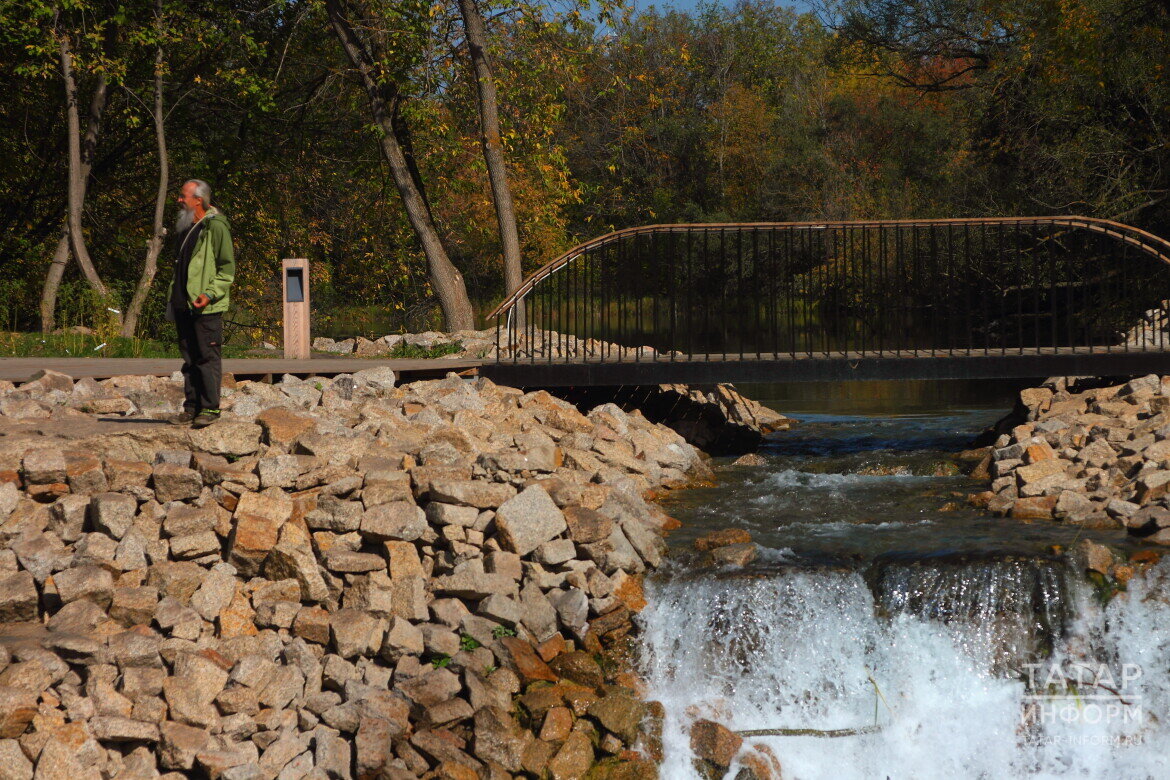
{"points": [[205, 418], [185, 417]]}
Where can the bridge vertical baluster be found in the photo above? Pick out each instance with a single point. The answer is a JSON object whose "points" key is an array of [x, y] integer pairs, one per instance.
{"points": [[916, 279], [636, 288], [841, 282], [823, 269], [987, 266], [810, 290], [840, 270], [900, 302], [622, 282], [592, 294], [949, 276], [585, 315], [739, 290], [760, 260], [562, 329], [1018, 264], [616, 291], [1071, 276], [672, 293], [968, 275], [1125, 291], [773, 301], [790, 287], [933, 272], [855, 291], [571, 314], [1035, 281], [655, 290], [1003, 302], [880, 300], [603, 303], [1086, 321], [562, 324], [866, 294], [1053, 285], [868, 291], [723, 293], [705, 301], [688, 281]]}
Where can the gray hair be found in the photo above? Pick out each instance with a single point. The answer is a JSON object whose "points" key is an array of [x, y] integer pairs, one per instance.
{"points": [[202, 191]]}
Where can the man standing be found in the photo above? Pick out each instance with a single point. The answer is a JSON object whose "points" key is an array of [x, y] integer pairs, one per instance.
{"points": [[205, 265]]}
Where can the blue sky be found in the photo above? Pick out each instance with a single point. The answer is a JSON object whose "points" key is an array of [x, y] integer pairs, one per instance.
{"points": [[689, 5]]}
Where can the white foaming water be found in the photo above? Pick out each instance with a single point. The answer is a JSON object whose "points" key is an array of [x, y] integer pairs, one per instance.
{"points": [[957, 667], [792, 478]]}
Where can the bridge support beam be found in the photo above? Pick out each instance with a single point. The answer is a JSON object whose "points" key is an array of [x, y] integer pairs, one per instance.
{"points": [[842, 369]]}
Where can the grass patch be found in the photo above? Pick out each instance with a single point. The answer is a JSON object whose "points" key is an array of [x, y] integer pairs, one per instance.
{"points": [[64, 345], [403, 351]]}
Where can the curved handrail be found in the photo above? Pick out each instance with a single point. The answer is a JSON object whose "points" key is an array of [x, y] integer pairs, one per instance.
{"points": [[1149, 243]]}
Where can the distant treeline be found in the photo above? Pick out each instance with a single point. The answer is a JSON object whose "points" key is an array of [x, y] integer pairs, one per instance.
{"points": [[608, 118]]}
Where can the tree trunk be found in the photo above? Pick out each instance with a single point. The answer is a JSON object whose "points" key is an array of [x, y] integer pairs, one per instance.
{"points": [[53, 282], [446, 280], [493, 152], [155, 245], [56, 272], [78, 170]]}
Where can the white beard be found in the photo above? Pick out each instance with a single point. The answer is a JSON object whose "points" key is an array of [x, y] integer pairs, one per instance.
{"points": [[184, 220]]}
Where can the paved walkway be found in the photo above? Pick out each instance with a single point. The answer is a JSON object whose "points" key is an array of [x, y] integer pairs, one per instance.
{"points": [[21, 369]]}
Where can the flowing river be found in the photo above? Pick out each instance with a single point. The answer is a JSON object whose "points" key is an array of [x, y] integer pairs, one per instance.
{"points": [[935, 640]]}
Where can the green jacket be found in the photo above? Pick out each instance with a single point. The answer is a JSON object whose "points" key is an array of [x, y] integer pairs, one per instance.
{"points": [[213, 265]]}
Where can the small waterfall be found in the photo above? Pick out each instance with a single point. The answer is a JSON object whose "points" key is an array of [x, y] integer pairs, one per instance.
{"points": [[991, 669]]}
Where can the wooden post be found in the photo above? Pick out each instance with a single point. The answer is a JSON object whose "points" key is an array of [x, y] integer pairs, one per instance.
{"points": [[295, 275]]}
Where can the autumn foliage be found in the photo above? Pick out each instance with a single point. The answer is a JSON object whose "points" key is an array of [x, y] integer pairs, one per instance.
{"points": [[609, 118]]}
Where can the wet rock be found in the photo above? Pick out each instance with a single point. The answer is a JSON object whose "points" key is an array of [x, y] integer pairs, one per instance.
{"points": [[1036, 508], [734, 555], [521, 657], [500, 739], [579, 667], [714, 742], [620, 714]]}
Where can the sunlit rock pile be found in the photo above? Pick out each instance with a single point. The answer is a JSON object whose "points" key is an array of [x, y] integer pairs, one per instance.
{"points": [[341, 579], [524, 344], [1098, 456], [471, 343]]}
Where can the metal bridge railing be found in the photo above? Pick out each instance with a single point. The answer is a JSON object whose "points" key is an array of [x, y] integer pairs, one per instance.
{"points": [[852, 289]]}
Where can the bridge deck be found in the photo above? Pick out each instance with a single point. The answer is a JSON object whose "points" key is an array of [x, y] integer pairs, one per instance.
{"points": [[833, 367], [696, 369], [21, 369]]}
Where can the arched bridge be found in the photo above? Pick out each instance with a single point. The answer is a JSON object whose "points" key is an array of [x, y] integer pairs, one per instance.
{"points": [[935, 298]]}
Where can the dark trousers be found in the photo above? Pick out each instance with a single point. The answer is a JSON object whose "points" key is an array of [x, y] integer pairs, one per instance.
{"points": [[200, 337]]}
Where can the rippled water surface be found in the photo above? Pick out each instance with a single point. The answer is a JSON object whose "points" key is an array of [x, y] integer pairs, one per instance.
{"points": [[883, 605]]}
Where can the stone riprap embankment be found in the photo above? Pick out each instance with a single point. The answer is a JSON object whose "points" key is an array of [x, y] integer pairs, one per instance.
{"points": [[717, 419], [1089, 453], [523, 345], [340, 579]]}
